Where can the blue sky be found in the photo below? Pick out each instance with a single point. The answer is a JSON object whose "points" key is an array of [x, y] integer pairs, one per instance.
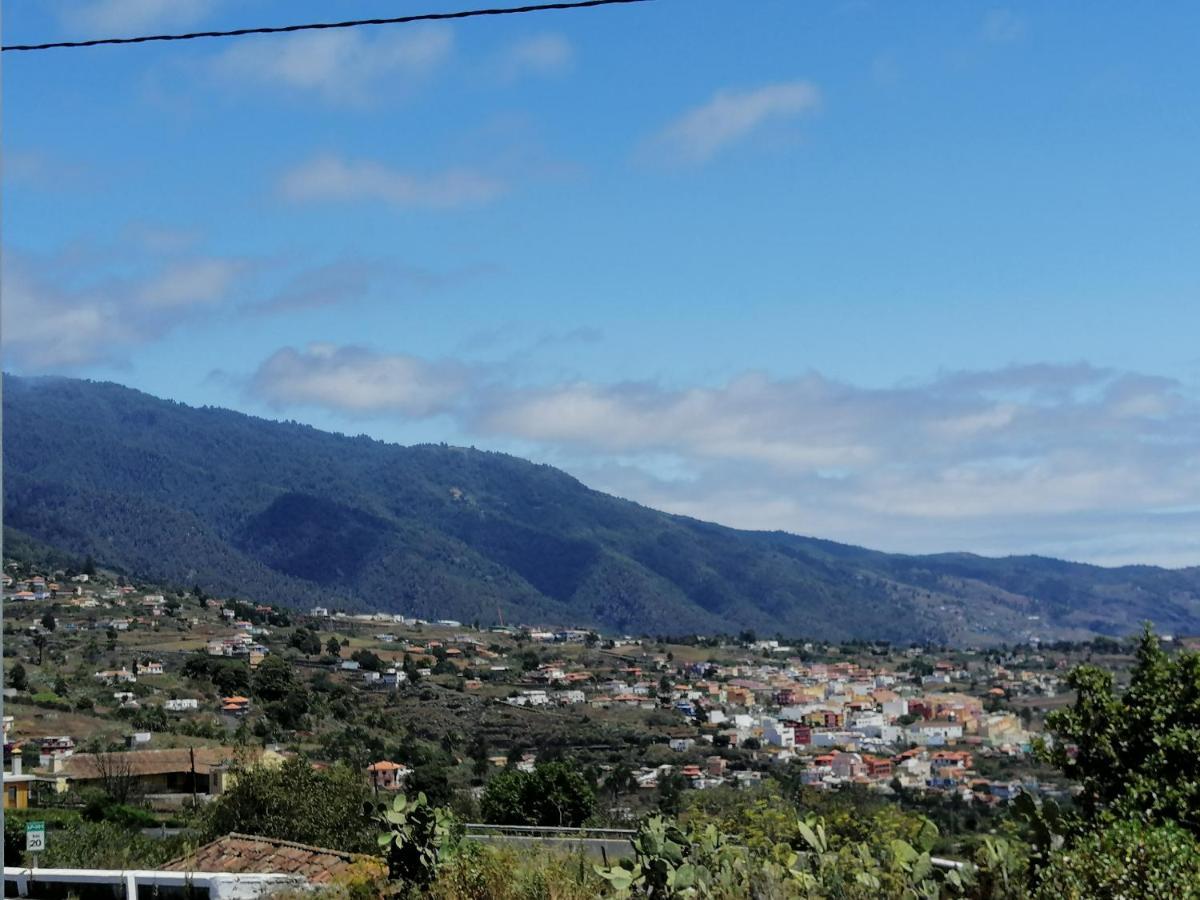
{"points": [[920, 277]]}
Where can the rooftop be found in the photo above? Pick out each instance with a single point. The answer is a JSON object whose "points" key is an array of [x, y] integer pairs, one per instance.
{"points": [[244, 853]]}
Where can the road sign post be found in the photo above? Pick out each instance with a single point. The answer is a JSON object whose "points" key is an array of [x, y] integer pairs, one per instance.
{"points": [[35, 839]]}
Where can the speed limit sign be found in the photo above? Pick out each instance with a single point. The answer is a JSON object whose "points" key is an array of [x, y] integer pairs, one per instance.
{"points": [[35, 836]]}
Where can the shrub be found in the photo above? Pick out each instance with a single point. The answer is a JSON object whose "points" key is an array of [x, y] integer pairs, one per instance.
{"points": [[412, 835], [106, 845], [554, 794], [1126, 859], [295, 802], [478, 872]]}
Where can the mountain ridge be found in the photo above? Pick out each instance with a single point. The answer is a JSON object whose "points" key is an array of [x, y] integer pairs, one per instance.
{"points": [[278, 510]]}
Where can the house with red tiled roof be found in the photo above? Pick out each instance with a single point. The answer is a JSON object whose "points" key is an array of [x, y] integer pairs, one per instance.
{"points": [[243, 854], [235, 706], [386, 775]]}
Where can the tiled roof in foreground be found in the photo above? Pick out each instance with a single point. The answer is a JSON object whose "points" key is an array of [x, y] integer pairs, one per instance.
{"points": [[246, 853]]}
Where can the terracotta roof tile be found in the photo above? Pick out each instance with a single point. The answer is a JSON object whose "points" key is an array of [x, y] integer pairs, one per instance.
{"points": [[242, 853]]}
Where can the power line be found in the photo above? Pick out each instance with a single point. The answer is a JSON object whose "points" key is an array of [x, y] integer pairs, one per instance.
{"points": [[321, 26]]}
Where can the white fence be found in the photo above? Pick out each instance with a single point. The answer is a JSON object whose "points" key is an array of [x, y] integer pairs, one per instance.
{"points": [[125, 883]]}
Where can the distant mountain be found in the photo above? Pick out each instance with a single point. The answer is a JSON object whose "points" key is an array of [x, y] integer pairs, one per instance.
{"points": [[283, 512]]}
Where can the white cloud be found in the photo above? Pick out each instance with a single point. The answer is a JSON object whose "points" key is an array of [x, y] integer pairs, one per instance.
{"points": [[329, 178], [731, 116], [189, 283], [117, 18], [95, 301], [1070, 459], [63, 313], [541, 54], [341, 66], [355, 381]]}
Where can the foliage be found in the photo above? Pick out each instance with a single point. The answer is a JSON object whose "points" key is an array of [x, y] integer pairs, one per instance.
{"points": [[229, 676], [294, 802], [100, 807], [671, 862], [1126, 859], [1139, 752], [106, 845], [17, 678], [286, 698], [670, 793], [1047, 830], [274, 679], [479, 872], [553, 794], [412, 835], [999, 872], [699, 860], [758, 817], [306, 641]]}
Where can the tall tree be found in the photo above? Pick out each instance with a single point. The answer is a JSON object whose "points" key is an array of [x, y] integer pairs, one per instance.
{"points": [[553, 794], [18, 680], [1136, 754]]}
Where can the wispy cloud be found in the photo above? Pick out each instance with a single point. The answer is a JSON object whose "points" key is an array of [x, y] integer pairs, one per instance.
{"points": [[106, 18], [63, 312], [1003, 26], [330, 178], [732, 116], [340, 67], [45, 171], [350, 280], [540, 54]]}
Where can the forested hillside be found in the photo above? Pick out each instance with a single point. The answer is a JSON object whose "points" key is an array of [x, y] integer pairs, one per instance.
{"points": [[284, 512]]}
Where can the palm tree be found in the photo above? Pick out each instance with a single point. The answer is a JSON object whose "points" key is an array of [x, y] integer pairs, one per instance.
{"points": [[620, 779]]}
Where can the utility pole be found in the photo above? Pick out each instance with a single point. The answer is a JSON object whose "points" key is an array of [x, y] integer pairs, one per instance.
{"points": [[3, 788], [192, 757]]}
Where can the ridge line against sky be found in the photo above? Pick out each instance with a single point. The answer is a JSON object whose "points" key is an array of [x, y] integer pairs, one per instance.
{"points": [[908, 281]]}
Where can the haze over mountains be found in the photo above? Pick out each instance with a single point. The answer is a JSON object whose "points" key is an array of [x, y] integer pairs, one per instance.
{"points": [[283, 512]]}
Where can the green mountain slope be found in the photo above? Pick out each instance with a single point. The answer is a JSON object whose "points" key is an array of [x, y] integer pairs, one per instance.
{"points": [[284, 512]]}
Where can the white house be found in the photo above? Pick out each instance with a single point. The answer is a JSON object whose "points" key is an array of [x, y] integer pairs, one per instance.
{"points": [[182, 704], [894, 709], [393, 678], [530, 698], [934, 733], [778, 735]]}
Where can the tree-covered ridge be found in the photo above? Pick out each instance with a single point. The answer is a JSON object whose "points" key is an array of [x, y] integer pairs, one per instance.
{"points": [[281, 511]]}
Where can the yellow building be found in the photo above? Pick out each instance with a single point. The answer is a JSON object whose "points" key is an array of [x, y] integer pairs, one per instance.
{"points": [[16, 784]]}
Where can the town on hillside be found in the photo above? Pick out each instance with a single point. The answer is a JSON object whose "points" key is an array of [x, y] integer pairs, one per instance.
{"points": [[191, 687]]}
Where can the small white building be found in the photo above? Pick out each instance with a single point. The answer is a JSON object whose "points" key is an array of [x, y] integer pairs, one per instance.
{"points": [[778, 735], [530, 698]]}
